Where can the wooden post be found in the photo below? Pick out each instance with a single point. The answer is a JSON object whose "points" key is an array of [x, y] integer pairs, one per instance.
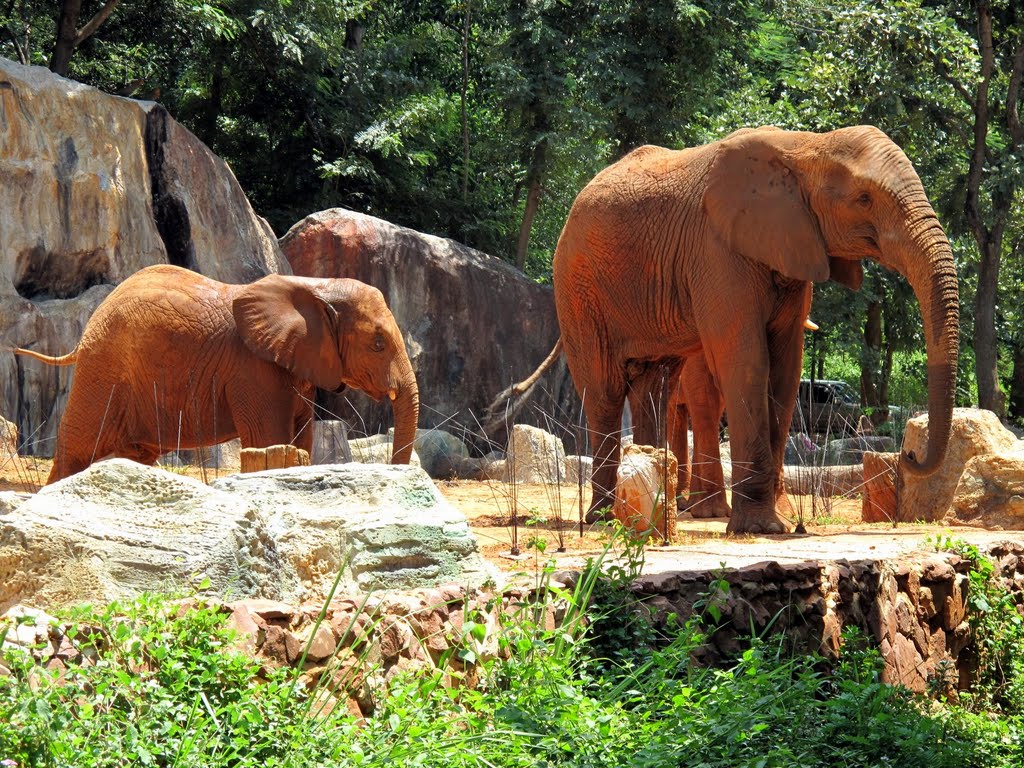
{"points": [[273, 457], [879, 498]]}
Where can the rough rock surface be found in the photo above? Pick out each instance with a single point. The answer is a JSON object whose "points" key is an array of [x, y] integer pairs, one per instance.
{"points": [[472, 323], [991, 490], [120, 528], [8, 439], [377, 449], [645, 487], [973, 432], [534, 456], [387, 525], [330, 442], [94, 187]]}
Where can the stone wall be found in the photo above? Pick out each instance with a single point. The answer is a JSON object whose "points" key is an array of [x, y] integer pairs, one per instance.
{"points": [[915, 611]]}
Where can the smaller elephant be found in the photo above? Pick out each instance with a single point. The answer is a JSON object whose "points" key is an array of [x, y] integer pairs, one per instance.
{"points": [[693, 399], [172, 359]]}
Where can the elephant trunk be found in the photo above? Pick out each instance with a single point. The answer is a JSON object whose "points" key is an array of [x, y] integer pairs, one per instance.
{"points": [[406, 406], [932, 275]]}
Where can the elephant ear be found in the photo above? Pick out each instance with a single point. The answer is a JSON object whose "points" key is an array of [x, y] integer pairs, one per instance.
{"points": [[848, 272], [755, 206], [283, 320]]}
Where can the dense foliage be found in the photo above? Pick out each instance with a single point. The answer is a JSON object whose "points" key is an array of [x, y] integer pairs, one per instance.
{"points": [[161, 686], [481, 120]]}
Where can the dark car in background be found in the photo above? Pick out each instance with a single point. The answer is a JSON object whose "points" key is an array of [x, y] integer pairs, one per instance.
{"points": [[826, 406]]}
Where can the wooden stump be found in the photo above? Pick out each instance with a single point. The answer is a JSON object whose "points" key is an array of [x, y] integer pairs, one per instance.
{"points": [[879, 498], [645, 492], [273, 457]]}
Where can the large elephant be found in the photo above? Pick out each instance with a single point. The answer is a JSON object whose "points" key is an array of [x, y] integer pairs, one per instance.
{"points": [[172, 359], [667, 253]]}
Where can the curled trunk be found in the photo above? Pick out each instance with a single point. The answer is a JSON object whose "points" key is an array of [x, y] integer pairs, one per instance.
{"points": [[932, 275]]}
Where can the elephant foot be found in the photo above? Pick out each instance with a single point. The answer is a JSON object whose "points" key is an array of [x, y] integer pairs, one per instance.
{"points": [[601, 509], [766, 522], [702, 508]]}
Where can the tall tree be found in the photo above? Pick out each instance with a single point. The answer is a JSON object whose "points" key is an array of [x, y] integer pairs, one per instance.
{"points": [[69, 36], [997, 140]]}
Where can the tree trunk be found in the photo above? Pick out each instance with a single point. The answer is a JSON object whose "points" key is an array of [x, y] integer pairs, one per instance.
{"points": [[69, 37], [1017, 383], [871, 355], [985, 354], [465, 118], [67, 33], [533, 184]]}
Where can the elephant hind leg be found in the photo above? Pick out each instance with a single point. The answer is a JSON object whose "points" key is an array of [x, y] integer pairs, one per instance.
{"points": [[604, 419]]}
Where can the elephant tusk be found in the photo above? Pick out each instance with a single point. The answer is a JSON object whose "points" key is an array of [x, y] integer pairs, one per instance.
{"points": [[393, 394], [810, 325]]}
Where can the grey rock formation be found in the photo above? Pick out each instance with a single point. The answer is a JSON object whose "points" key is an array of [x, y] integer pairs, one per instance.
{"points": [[94, 187], [387, 526], [472, 323], [119, 528]]}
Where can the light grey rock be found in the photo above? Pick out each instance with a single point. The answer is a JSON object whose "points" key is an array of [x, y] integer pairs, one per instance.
{"points": [[534, 456], [442, 455], [850, 450], [384, 526], [224, 456], [376, 449], [578, 470], [120, 528], [330, 442]]}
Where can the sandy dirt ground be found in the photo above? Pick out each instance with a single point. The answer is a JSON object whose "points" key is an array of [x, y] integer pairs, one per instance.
{"points": [[545, 528]]}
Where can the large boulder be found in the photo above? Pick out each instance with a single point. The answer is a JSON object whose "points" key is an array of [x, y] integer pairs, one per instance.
{"points": [[94, 187], [119, 528], [991, 490], [645, 491], [472, 323], [534, 456], [388, 526], [974, 432]]}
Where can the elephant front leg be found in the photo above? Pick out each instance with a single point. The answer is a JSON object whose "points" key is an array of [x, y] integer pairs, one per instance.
{"points": [[743, 376], [786, 350]]}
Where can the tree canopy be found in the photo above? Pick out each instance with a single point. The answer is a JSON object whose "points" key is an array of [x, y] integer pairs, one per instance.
{"points": [[480, 120]]}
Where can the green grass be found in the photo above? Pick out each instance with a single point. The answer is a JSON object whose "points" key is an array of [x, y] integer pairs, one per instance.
{"points": [[162, 687]]}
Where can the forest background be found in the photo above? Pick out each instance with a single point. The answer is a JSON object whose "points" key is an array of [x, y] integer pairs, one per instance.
{"points": [[480, 120]]}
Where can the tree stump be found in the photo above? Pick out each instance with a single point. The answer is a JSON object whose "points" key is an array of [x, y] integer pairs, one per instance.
{"points": [[645, 492], [273, 457], [879, 497]]}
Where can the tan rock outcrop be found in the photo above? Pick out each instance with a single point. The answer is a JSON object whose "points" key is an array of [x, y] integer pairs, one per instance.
{"points": [[991, 490], [973, 432], [94, 187]]}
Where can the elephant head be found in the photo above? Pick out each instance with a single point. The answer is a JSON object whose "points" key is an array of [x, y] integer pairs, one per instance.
{"points": [[333, 333], [810, 206]]}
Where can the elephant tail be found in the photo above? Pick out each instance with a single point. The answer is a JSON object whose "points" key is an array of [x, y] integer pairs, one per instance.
{"points": [[508, 402], [69, 359]]}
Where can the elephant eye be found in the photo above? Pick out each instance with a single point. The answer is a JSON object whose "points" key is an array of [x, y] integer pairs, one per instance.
{"points": [[378, 343], [864, 200]]}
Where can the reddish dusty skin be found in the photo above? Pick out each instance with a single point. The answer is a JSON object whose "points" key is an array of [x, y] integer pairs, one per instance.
{"points": [[712, 249], [173, 359]]}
